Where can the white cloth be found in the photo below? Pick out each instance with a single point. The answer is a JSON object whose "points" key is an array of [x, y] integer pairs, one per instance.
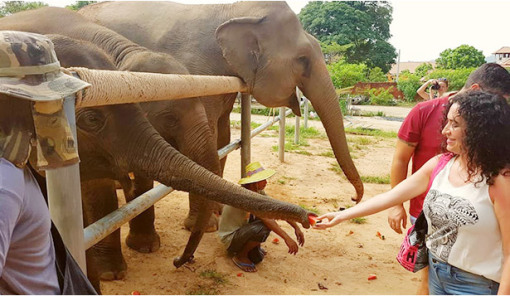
{"points": [[27, 255], [463, 228], [231, 220]]}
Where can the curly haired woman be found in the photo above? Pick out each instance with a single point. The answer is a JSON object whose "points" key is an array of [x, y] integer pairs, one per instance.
{"points": [[468, 233]]}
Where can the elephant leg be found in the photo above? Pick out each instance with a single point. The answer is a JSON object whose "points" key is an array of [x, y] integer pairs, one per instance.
{"points": [[142, 235], [197, 231], [104, 260], [195, 211]]}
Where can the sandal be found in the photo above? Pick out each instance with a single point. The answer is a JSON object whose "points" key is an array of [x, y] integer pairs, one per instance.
{"points": [[246, 267]]}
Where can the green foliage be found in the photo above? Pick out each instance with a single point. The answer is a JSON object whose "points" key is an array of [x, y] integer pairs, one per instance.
{"points": [[79, 4], [376, 75], [343, 106], [216, 277], [456, 78], [423, 69], [333, 52], [408, 83], [11, 7], [364, 25], [381, 96], [464, 56], [344, 74]]}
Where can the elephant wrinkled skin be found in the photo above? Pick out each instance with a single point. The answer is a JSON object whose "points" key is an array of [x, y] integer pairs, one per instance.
{"points": [[261, 42], [115, 140]]}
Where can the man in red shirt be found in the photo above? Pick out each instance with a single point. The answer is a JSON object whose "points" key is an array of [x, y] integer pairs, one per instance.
{"points": [[420, 138]]}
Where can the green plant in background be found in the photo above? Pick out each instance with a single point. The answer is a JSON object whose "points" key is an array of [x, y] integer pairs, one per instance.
{"points": [[381, 96], [343, 105], [377, 75], [456, 78], [344, 74], [423, 69], [464, 56], [408, 83]]}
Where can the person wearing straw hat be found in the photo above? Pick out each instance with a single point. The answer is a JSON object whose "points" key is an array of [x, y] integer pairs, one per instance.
{"points": [[242, 233], [32, 125]]}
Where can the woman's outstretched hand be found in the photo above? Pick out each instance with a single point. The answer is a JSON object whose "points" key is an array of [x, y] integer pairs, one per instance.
{"points": [[328, 220]]}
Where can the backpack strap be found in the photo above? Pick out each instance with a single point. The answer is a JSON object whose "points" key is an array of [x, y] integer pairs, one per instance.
{"points": [[443, 160]]}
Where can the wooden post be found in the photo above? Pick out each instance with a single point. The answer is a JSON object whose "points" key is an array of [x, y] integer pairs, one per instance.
{"points": [[245, 132], [281, 141], [64, 199]]}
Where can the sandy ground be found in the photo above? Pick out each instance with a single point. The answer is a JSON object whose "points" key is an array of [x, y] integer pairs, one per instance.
{"points": [[334, 261]]}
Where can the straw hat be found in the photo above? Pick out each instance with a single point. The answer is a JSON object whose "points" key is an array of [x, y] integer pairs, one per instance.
{"points": [[29, 68], [255, 172]]}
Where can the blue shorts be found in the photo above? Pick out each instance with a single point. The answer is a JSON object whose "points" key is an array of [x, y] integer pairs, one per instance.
{"points": [[445, 279]]}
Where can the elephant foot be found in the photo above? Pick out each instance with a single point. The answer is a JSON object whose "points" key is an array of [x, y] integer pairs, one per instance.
{"points": [[143, 242], [112, 276], [110, 270], [180, 261], [212, 225]]}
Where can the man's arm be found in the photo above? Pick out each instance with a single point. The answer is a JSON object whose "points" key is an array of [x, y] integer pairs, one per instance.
{"points": [[291, 244], [399, 166], [299, 234]]}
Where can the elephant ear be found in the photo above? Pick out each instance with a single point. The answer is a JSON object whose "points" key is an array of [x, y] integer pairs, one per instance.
{"points": [[240, 46]]}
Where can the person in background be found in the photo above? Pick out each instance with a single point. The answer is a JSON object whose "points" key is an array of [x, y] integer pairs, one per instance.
{"points": [[468, 202], [419, 139], [242, 233], [32, 121], [437, 89]]}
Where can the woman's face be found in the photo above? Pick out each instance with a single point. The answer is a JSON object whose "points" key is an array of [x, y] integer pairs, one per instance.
{"points": [[443, 87], [454, 131]]}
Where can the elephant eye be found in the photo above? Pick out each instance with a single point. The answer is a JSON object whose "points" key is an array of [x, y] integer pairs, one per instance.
{"points": [[90, 120]]}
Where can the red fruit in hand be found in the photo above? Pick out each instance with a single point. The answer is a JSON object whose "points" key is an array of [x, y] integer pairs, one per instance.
{"points": [[313, 220]]}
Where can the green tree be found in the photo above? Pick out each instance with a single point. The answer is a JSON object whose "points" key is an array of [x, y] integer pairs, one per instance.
{"points": [[376, 75], [364, 24], [464, 56], [344, 74], [79, 4], [333, 52], [423, 69], [10, 7]]}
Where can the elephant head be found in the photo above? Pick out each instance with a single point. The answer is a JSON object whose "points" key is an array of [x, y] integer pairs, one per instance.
{"points": [[273, 54]]}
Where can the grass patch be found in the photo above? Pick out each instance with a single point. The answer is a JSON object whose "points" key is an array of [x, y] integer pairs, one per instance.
{"points": [[359, 220], [293, 148], [307, 133], [237, 124], [370, 132], [376, 179], [372, 114], [309, 209], [363, 141], [216, 277], [327, 154]]}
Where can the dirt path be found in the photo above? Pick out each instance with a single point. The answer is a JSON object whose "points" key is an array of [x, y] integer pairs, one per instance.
{"points": [[339, 260]]}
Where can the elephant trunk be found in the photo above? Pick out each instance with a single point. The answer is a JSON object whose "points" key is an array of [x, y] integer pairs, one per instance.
{"points": [[168, 166], [320, 91]]}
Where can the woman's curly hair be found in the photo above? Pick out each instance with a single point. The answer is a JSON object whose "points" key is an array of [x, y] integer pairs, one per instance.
{"points": [[487, 135]]}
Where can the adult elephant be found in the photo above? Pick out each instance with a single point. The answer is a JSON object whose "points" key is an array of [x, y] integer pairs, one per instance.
{"points": [[261, 42], [182, 123]]}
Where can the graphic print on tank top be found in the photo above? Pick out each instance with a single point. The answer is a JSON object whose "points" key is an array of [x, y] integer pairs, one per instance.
{"points": [[450, 213]]}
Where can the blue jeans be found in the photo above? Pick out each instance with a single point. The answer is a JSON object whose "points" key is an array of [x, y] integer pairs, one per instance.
{"points": [[445, 279]]}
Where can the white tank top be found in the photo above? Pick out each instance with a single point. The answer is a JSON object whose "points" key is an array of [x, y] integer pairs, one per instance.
{"points": [[463, 228]]}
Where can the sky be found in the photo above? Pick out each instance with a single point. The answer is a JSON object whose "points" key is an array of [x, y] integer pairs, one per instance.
{"points": [[422, 29]]}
